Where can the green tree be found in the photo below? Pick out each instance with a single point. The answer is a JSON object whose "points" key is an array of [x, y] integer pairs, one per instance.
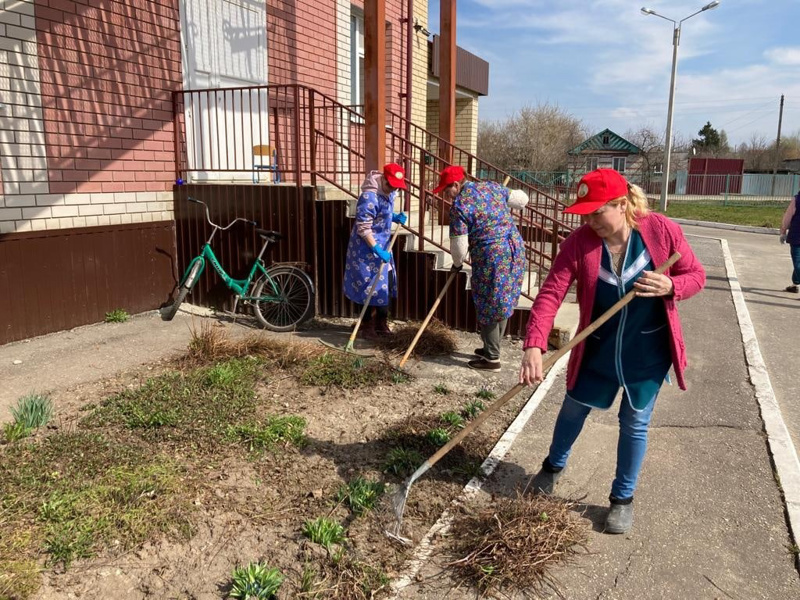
{"points": [[711, 142]]}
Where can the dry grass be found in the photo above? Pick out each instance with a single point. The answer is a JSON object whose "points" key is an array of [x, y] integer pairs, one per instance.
{"points": [[513, 544], [436, 340], [212, 344]]}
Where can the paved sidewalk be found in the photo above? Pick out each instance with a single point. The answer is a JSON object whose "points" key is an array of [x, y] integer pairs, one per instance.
{"points": [[710, 520]]}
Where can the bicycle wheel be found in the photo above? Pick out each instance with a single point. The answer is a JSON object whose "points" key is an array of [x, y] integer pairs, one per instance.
{"points": [[186, 286], [284, 300]]}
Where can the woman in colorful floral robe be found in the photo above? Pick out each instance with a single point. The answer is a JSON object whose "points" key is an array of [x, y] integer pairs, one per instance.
{"points": [[481, 221]]}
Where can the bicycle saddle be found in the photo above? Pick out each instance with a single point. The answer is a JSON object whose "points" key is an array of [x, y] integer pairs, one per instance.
{"points": [[270, 235]]}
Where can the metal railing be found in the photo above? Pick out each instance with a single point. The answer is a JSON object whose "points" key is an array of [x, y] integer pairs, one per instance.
{"points": [[313, 137]]}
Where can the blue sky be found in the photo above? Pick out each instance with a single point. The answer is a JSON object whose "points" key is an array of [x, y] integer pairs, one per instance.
{"points": [[609, 65]]}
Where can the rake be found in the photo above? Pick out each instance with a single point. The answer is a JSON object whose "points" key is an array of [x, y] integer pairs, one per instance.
{"points": [[400, 497]]}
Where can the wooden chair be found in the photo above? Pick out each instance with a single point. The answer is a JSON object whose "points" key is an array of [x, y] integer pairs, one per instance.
{"points": [[269, 153]]}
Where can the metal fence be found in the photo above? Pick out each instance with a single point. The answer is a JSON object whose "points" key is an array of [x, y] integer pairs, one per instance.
{"points": [[748, 189]]}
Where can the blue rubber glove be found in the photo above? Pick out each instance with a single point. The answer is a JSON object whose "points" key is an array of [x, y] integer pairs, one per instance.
{"points": [[399, 218], [381, 253]]}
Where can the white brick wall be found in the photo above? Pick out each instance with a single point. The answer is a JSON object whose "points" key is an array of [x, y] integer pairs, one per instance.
{"points": [[26, 203]]}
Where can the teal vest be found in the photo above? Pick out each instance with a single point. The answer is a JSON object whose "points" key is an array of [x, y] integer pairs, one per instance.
{"points": [[632, 349]]}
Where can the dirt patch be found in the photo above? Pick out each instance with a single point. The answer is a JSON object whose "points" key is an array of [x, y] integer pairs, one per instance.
{"points": [[250, 503]]}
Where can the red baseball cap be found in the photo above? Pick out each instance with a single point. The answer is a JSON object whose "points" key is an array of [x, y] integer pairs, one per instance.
{"points": [[395, 175], [449, 176], [596, 189]]}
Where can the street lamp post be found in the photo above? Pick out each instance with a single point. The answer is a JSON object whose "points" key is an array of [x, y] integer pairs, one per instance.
{"points": [[676, 40]]}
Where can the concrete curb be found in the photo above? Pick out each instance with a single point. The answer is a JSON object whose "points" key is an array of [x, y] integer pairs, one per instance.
{"points": [[713, 225], [425, 548], [784, 454]]}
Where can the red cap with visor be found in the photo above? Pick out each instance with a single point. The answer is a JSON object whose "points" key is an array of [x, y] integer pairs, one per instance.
{"points": [[449, 176], [596, 189], [395, 175]]}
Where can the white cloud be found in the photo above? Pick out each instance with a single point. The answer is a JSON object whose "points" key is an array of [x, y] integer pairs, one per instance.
{"points": [[784, 56]]}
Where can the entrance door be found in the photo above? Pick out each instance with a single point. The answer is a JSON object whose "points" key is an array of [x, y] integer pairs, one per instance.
{"points": [[225, 48]]}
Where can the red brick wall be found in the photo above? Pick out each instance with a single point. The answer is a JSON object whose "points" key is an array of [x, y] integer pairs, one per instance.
{"points": [[301, 41], [301, 37], [107, 70]]}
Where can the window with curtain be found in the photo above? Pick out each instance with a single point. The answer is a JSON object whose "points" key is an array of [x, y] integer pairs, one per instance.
{"points": [[357, 58]]}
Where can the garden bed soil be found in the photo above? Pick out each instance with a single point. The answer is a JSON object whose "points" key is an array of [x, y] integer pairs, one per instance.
{"points": [[252, 507]]}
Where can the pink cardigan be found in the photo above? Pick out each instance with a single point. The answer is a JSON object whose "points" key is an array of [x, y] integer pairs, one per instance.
{"points": [[579, 259]]}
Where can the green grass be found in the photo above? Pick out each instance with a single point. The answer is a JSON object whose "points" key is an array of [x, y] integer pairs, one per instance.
{"points": [[402, 461], [473, 409], [276, 431], [441, 388], [755, 216], [347, 372], [31, 412], [75, 493], [360, 494], [485, 394], [256, 581], [118, 315], [452, 420], [438, 436], [324, 531]]}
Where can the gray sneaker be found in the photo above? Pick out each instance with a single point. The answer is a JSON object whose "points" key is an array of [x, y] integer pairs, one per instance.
{"points": [[544, 482], [620, 518]]}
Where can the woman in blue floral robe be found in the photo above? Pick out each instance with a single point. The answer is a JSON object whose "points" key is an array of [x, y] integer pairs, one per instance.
{"points": [[367, 252]]}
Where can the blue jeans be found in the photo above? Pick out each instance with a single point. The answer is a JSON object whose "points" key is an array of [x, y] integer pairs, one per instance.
{"points": [[794, 250], [631, 447]]}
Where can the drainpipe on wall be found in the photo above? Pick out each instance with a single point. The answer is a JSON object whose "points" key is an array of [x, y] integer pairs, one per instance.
{"points": [[409, 75]]}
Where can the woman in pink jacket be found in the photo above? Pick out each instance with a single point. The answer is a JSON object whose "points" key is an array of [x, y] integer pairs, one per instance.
{"points": [[616, 250]]}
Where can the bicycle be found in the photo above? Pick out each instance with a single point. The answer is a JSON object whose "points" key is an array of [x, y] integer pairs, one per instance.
{"points": [[283, 295]]}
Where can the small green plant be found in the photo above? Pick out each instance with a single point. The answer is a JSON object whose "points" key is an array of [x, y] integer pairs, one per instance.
{"points": [[400, 377], [470, 469], [473, 409], [32, 411], [324, 531], [256, 581], [308, 579], [441, 388], [438, 436], [287, 430], [118, 315], [402, 461], [15, 431], [793, 549], [485, 394], [361, 494], [453, 419]]}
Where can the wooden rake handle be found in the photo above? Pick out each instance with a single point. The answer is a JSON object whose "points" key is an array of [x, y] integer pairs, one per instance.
{"points": [[427, 320], [551, 360]]}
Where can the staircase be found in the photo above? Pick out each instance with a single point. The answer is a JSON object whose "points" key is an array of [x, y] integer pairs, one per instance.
{"points": [[320, 142]]}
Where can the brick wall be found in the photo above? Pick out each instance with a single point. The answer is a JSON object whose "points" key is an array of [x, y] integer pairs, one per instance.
{"points": [[87, 136], [301, 38]]}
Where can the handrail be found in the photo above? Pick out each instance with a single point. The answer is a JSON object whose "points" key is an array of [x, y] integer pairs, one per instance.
{"points": [[316, 136]]}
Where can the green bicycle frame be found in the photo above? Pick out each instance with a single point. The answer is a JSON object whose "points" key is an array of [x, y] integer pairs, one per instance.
{"points": [[239, 286]]}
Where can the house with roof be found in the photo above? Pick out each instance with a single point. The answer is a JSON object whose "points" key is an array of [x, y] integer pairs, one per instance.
{"points": [[113, 113], [605, 150]]}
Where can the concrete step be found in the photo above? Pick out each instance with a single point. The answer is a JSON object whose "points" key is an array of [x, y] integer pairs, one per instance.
{"points": [[432, 230]]}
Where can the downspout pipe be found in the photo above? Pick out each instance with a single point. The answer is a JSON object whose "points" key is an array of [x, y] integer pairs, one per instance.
{"points": [[409, 76]]}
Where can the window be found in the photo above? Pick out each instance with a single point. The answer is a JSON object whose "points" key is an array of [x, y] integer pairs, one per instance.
{"points": [[619, 164], [591, 163], [606, 140], [357, 59]]}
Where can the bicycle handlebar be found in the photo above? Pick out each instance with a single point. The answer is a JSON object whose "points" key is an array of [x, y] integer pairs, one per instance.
{"points": [[228, 226]]}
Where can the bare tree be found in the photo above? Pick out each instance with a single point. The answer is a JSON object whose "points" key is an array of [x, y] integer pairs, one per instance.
{"points": [[651, 142], [536, 138]]}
